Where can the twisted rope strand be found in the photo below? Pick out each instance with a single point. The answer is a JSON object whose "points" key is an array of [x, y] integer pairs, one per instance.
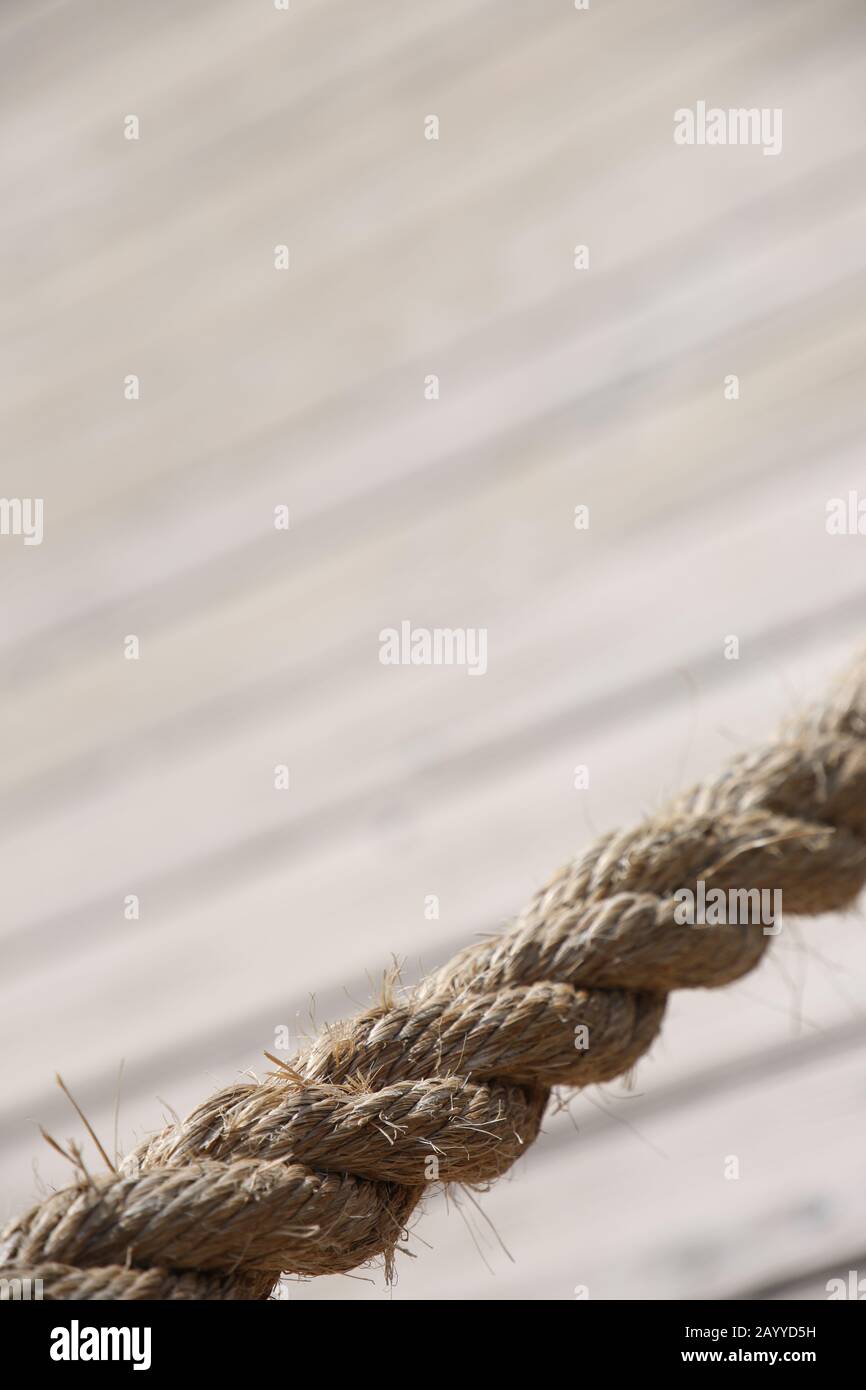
{"points": [[317, 1168]]}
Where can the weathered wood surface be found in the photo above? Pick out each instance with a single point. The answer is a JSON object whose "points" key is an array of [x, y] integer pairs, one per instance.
{"points": [[558, 387]]}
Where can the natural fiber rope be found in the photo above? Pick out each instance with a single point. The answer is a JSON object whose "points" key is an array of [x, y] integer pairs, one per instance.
{"points": [[317, 1168]]}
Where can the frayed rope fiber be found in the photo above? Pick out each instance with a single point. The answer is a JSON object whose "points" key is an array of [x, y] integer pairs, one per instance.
{"points": [[317, 1168]]}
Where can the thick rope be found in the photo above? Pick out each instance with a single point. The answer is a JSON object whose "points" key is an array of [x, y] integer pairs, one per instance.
{"points": [[317, 1168]]}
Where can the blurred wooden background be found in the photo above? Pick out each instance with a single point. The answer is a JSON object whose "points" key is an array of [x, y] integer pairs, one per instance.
{"points": [[258, 647]]}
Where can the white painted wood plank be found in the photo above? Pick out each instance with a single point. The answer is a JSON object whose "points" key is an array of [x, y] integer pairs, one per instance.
{"points": [[605, 648]]}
